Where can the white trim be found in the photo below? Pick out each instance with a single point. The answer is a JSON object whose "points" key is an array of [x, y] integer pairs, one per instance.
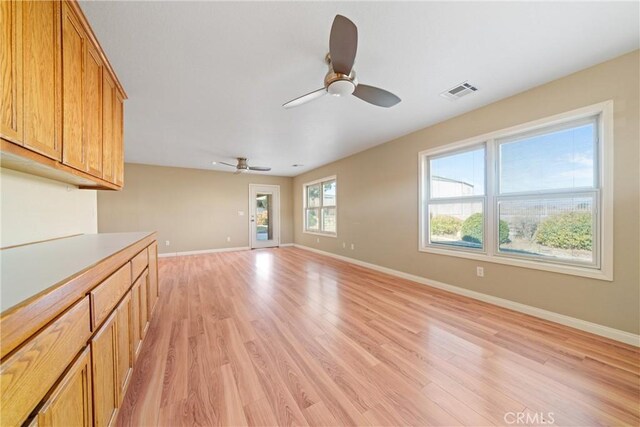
{"points": [[583, 325], [285, 245], [203, 251], [604, 229]]}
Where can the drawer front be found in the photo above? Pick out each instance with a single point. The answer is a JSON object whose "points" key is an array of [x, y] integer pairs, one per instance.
{"points": [[106, 295], [27, 375], [138, 264]]}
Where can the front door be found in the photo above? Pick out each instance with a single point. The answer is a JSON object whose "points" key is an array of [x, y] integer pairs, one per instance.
{"points": [[264, 215]]}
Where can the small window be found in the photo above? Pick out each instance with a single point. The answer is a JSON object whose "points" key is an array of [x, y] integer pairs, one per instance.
{"points": [[320, 207], [537, 196]]}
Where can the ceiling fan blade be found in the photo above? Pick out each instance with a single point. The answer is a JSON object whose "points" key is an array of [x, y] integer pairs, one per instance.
{"points": [[305, 98], [259, 168], [376, 96], [227, 164], [343, 44]]}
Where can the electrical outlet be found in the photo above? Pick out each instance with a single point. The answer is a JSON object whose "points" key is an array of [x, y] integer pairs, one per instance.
{"points": [[317, 240], [167, 243], [344, 244], [353, 246], [480, 271], [228, 239]]}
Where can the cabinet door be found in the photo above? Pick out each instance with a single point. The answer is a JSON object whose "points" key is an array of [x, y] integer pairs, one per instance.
{"points": [[144, 304], [118, 139], [153, 277], [71, 404], [42, 77], [108, 99], [73, 58], [124, 350], [136, 341], [93, 110], [11, 70], [104, 362]]}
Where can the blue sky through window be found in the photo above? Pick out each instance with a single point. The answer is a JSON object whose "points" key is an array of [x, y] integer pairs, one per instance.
{"points": [[561, 159], [466, 167]]}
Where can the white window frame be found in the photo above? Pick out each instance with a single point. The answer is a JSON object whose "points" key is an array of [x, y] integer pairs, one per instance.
{"points": [[304, 207], [602, 268]]}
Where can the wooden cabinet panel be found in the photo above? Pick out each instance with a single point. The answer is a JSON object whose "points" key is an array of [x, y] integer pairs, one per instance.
{"points": [[71, 404], [34, 368], [153, 277], [139, 263], [73, 58], [104, 362], [108, 99], [136, 339], [124, 324], [106, 295], [118, 139], [144, 304], [42, 77], [93, 110], [11, 70]]}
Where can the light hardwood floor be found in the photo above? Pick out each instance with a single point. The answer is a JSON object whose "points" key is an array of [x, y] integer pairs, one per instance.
{"points": [[288, 337]]}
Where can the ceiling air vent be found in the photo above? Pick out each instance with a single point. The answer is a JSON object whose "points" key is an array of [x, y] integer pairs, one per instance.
{"points": [[459, 91]]}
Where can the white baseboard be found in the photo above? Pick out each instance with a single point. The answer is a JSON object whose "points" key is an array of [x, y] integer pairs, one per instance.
{"points": [[210, 251], [204, 251], [583, 325]]}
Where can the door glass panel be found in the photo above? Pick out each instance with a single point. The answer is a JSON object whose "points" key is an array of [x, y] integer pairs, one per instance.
{"points": [[264, 228]]}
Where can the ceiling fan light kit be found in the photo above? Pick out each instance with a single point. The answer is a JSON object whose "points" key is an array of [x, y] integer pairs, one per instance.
{"points": [[341, 78]]}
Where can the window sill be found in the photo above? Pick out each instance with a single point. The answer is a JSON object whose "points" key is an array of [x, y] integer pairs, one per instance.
{"points": [[318, 233], [555, 268]]}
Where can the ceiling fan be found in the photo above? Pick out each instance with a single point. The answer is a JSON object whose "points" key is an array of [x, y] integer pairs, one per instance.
{"points": [[242, 166], [341, 78]]}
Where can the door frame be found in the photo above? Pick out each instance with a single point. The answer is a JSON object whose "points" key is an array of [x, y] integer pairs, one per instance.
{"points": [[275, 189]]}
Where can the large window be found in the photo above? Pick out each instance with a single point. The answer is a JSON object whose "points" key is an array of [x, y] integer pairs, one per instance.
{"points": [[320, 207], [537, 195]]}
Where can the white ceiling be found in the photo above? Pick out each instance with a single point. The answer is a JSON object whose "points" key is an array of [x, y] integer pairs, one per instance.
{"points": [[206, 80]]}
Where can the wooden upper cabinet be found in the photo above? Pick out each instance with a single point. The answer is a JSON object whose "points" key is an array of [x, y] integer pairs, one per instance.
{"points": [[108, 99], [42, 77], [11, 71], [73, 57], [93, 110], [71, 402], [118, 139], [61, 103]]}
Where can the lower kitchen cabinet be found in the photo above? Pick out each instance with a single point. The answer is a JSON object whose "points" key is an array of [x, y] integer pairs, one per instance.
{"points": [[104, 357], [73, 367], [124, 350], [71, 402]]}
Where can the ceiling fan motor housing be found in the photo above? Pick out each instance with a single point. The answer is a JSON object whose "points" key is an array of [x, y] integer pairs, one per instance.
{"points": [[339, 84]]}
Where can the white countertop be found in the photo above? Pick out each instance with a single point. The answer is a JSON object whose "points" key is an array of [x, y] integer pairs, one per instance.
{"points": [[30, 269]]}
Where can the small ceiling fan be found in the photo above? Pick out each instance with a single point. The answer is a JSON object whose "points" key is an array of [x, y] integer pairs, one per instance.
{"points": [[341, 78], [242, 166]]}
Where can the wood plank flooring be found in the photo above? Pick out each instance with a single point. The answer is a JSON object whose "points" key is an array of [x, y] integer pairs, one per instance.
{"points": [[288, 337]]}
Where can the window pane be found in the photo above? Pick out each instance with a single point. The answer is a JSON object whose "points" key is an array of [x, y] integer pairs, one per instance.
{"points": [[558, 159], [457, 224], [329, 193], [313, 196], [460, 174], [312, 220], [329, 220], [557, 228]]}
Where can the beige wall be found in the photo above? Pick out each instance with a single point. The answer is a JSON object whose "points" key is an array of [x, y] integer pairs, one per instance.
{"points": [[378, 201], [35, 209], [194, 209]]}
